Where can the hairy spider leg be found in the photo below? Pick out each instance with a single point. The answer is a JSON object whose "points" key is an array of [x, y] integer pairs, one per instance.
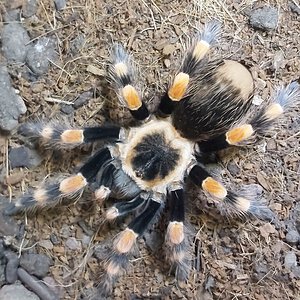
{"points": [[71, 187], [188, 71], [59, 135], [284, 98], [176, 243], [227, 201], [124, 243], [123, 78]]}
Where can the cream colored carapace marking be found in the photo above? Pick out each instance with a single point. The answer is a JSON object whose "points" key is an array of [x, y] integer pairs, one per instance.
{"points": [[239, 134], [274, 111], [175, 141], [131, 97], [175, 232], [239, 77], [112, 268], [125, 241], [47, 133], [242, 204], [121, 69], [40, 196], [214, 188], [72, 184], [72, 136], [112, 213], [200, 50], [179, 86]]}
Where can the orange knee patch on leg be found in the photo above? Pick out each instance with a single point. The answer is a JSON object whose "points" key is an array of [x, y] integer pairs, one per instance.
{"points": [[72, 184], [72, 136], [40, 196], [214, 188], [201, 48], [125, 241], [131, 97], [175, 232], [179, 86], [239, 134]]}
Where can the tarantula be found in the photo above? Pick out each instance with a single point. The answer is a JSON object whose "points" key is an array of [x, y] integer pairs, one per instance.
{"points": [[203, 110]]}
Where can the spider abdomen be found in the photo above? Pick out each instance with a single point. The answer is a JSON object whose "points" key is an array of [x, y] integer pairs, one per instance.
{"points": [[155, 155], [220, 97]]}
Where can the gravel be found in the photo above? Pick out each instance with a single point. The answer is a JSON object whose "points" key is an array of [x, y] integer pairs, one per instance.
{"points": [[8, 226], [24, 157], [14, 40], [39, 54], [36, 264], [11, 105], [60, 4], [29, 8], [11, 267], [16, 292], [265, 18], [292, 237], [290, 260]]}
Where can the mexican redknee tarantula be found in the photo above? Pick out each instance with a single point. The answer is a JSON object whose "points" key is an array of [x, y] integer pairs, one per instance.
{"points": [[203, 110]]}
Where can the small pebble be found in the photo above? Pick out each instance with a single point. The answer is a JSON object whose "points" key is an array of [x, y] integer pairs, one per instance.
{"points": [[73, 244], [83, 99], [11, 267], [60, 4], [290, 260], [17, 292], [292, 237], [265, 18], [29, 8], [36, 264], [14, 40], [24, 157], [8, 226], [67, 109], [12, 105], [39, 54], [46, 244]]}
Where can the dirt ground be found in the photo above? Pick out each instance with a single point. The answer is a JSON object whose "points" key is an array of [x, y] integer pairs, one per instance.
{"points": [[235, 259]]}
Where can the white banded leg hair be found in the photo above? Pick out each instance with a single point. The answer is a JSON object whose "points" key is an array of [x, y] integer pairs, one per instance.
{"points": [[176, 243], [124, 243], [60, 135], [240, 204], [71, 187]]}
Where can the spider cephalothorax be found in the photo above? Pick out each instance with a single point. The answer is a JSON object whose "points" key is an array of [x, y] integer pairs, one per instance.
{"points": [[203, 110]]}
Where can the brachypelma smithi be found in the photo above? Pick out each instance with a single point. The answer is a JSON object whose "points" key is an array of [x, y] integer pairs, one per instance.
{"points": [[205, 109]]}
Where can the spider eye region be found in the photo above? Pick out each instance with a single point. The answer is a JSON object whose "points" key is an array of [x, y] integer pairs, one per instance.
{"points": [[154, 158]]}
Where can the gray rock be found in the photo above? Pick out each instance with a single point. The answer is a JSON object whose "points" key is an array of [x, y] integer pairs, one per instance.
{"points": [[296, 271], [8, 226], [12, 15], [39, 54], [38, 287], [292, 237], [290, 260], [294, 8], [265, 18], [11, 105], [77, 44], [14, 42], [83, 98], [11, 267], [67, 109], [23, 157], [60, 4], [29, 8], [16, 292], [73, 244], [2, 275], [36, 264]]}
